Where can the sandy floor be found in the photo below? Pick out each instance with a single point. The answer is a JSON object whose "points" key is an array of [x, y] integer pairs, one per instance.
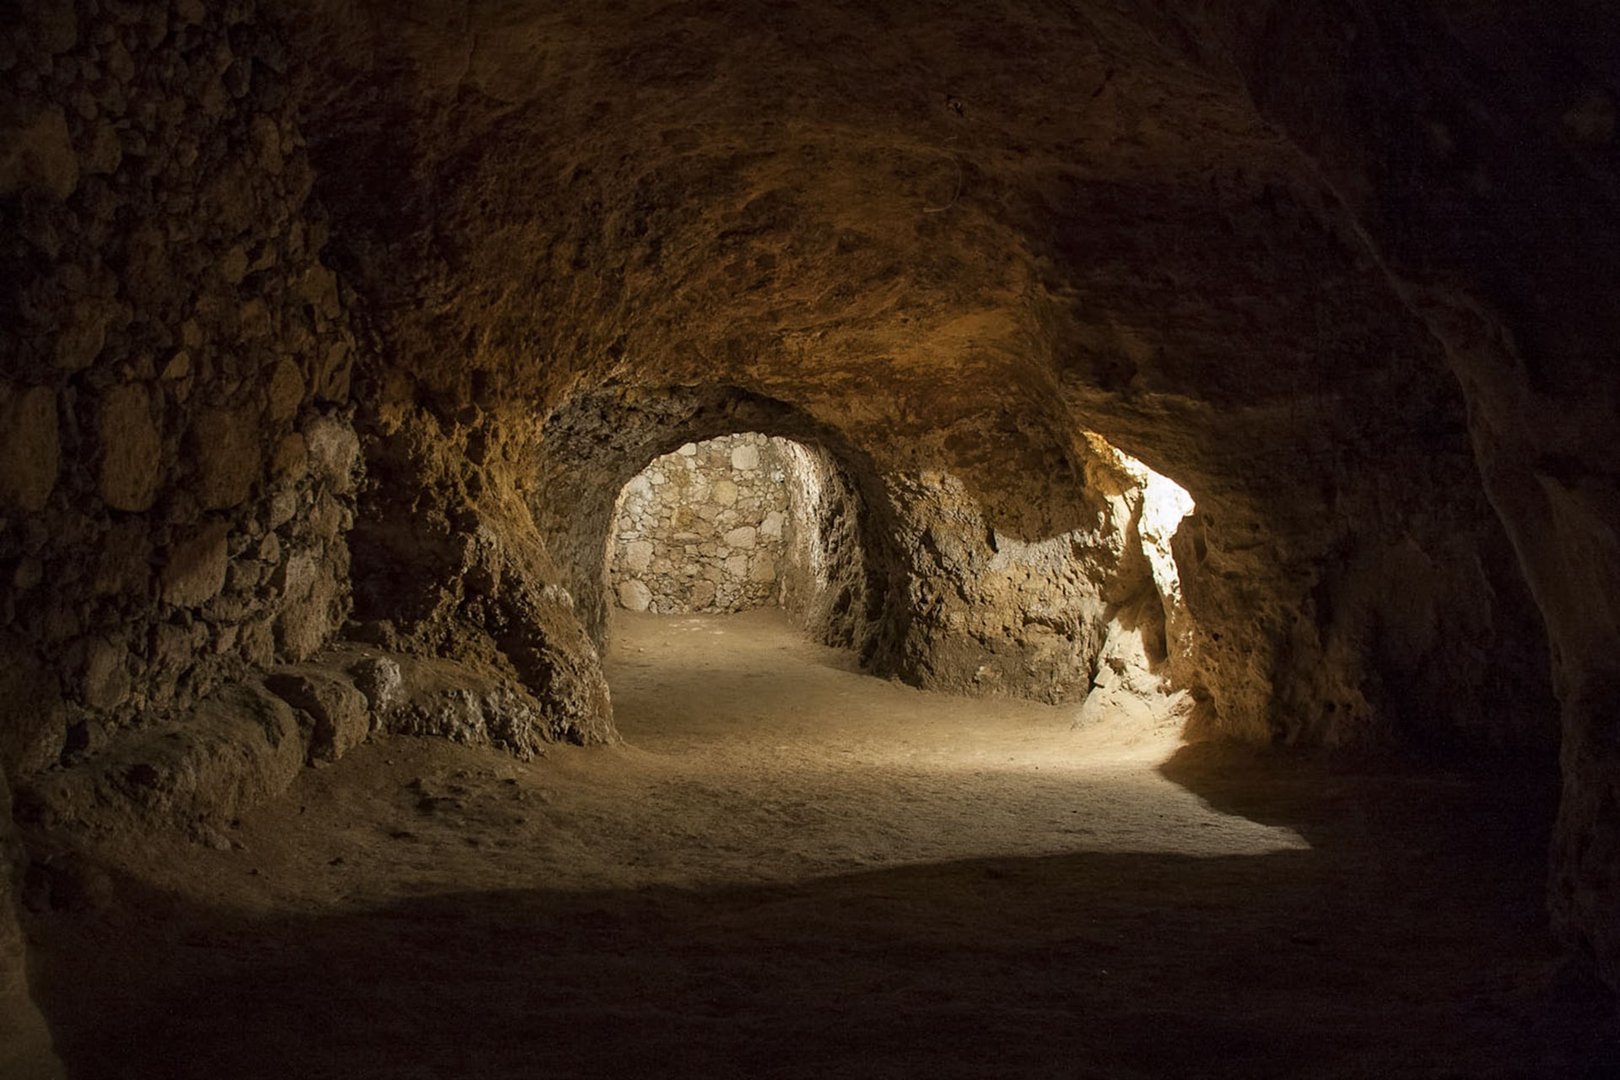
{"points": [[793, 870]]}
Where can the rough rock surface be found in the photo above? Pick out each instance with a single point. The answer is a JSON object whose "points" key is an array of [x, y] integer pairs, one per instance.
{"points": [[1342, 269], [162, 286], [702, 529]]}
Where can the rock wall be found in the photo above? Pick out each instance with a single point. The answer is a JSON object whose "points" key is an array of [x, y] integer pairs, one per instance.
{"points": [[178, 467], [702, 529], [828, 580], [1477, 150]]}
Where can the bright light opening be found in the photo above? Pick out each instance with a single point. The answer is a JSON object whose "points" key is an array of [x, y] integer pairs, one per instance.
{"points": [[1165, 504]]}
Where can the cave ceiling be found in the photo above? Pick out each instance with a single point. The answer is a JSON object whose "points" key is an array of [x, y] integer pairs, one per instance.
{"points": [[959, 233]]}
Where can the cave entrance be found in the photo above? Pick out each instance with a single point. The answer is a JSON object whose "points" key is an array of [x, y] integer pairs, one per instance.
{"points": [[715, 527]]}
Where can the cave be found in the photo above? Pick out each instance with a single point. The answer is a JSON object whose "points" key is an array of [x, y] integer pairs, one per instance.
{"points": [[1180, 629]]}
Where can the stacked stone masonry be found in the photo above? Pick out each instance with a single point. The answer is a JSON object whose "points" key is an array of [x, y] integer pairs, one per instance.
{"points": [[702, 529], [177, 467]]}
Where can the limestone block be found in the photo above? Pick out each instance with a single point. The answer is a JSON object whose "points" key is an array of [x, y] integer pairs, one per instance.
{"points": [[124, 564], [724, 492], [737, 567], [30, 572], [131, 448], [30, 450], [638, 556], [689, 450], [195, 571], [229, 456], [762, 569], [340, 713], [56, 24], [634, 595], [745, 457], [286, 390], [326, 517], [771, 527], [703, 594], [741, 538]]}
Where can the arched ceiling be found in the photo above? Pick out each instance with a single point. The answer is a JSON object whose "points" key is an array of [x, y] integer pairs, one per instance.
{"points": [[958, 232]]}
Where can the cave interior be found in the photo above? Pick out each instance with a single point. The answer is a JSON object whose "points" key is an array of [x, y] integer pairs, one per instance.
{"points": [[671, 538]]}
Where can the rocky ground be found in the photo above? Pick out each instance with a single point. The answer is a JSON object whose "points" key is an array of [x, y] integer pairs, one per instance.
{"points": [[790, 869]]}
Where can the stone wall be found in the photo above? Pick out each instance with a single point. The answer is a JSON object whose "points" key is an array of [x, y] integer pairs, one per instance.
{"points": [[702, 529], [176, 464]]}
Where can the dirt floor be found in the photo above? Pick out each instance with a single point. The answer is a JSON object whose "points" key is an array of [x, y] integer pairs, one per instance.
{"points": [[794, 870]]}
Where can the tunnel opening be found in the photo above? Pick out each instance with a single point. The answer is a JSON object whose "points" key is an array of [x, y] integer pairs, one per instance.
{"points": [[838, 571]]}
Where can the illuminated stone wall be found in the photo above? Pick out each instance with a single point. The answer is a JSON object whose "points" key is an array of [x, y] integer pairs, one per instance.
{"points": [[701, 529]]}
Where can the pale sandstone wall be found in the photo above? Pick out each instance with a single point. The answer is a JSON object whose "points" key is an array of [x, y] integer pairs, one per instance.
{"points": [[702, 529]]}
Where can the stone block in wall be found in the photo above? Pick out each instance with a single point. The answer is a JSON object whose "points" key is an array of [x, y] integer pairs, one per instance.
{"points": [[195, 569], [638, 556], [286, 389], [312, 597], [228, 445], [30, 450], [290, 460], [131, 448], [634, 595], [81, 341]]}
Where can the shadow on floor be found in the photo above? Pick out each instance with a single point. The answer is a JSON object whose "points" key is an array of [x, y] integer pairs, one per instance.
{"points": [[1388, 950]]}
